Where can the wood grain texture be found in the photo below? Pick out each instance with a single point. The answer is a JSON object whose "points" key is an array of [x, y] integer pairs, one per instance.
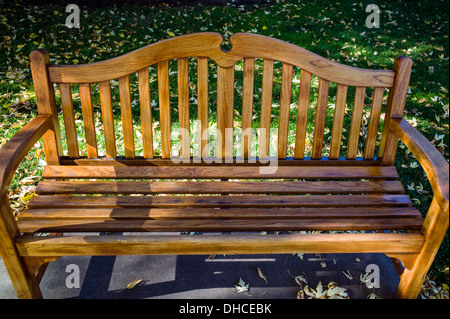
{"points": [[374, 122], [216, 244], [127, 116], [355, 126], [395, 108], [69, 119], [63, 201], [321, 113], [285, 102], [190, 213], [14, 151], [253, 45], [46, 104], [207, 44], [280, 187], [183, 107], [225, 111], [436, 221], [246, 172], [266, 108], [302, 115], [88, 120], [277, 224], [11, 155], [146, 112], [164, 108], [338, 121], [214, 161], [203, 107], [247, 106], [108, 119], [24, 283], [434, 229], [433, 163]]}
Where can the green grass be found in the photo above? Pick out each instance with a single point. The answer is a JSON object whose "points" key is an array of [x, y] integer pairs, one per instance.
{"points": [[334, 30]]}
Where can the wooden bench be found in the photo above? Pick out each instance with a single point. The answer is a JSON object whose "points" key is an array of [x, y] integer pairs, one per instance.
{"points": [[325, 193]]}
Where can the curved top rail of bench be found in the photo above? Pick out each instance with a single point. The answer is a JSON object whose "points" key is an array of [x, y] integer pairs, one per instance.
{"points": [[208, 44]]}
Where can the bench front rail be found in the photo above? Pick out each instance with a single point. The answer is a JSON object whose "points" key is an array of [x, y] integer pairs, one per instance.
{"points": [[334, 191]]}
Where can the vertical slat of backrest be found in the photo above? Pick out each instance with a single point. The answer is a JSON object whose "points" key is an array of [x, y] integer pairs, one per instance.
{"points": [[69, 119], [164, 107], [225, 108], [285, 102], [372, 130], [266, 108], [108, 118], [302, 114], [146, 112], [355, 126], [247, 106], [321, 113], [88, 119], [338, 121], [395, 108], [46, 104], [127, 117], [202, 100], [183, 107]]}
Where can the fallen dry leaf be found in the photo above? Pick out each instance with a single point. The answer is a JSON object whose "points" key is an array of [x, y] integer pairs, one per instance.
{"points": [[261, 275], [133, 284]]}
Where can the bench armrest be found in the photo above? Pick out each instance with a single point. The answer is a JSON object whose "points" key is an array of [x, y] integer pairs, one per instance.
{"points": [[14, 151], [433, 163]]}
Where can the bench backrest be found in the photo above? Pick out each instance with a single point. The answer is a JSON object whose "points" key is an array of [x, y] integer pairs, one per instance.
{"points": [[225, 83]]}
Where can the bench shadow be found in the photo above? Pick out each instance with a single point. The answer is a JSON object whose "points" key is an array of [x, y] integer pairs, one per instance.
{"points": [[194, 277], [184, 276]]}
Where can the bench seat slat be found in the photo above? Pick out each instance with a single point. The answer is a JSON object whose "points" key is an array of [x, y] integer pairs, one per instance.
{"points": [[228, 213], [63, 201], [218, 225], [211, 172], [201, 187], [214, 161], [29, 245]]}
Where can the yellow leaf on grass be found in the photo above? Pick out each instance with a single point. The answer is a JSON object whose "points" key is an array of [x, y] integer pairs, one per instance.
{"points": [[25, 198]]}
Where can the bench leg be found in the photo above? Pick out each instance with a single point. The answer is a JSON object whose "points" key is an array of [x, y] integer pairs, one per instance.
{"points": [[434, 229], [25, 285]]}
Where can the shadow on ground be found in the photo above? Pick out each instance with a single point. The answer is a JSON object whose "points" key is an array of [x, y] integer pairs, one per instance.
{"points": [[200, 277]]}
